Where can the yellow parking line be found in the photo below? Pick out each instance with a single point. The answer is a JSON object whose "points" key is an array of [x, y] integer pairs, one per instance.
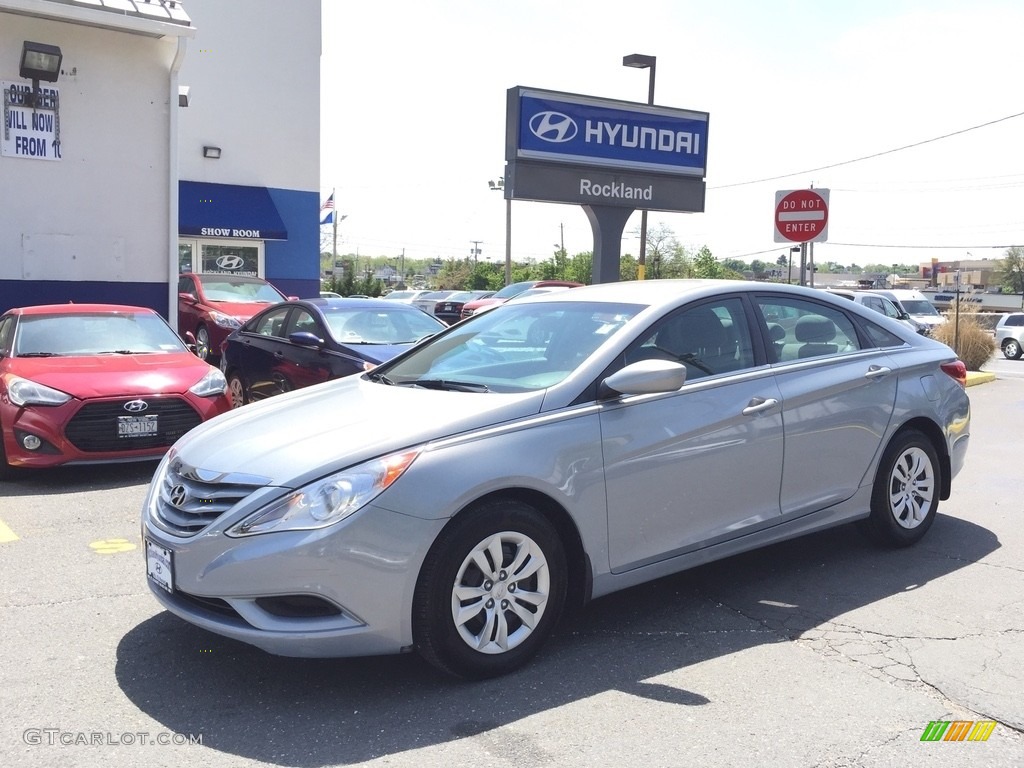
{"points": [[6, 534]]}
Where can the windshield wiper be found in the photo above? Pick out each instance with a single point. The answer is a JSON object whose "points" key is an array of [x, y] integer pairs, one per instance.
{"points": [[447, 385], [38, 354], [381, 378], [122, 352]]}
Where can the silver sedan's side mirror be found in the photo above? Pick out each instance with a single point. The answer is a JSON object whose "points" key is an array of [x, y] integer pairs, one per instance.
{"points": [[645, 377]]}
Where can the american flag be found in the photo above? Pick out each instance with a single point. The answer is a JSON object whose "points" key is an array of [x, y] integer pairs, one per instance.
{"points": [[327, 211]]}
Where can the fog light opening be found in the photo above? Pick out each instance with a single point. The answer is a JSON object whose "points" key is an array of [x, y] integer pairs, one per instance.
{"points": [[31, 443]]}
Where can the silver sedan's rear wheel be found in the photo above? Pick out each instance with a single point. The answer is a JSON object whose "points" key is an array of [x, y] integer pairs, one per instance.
{"points": [[491, 589], [906, 491], [1011, 349]]}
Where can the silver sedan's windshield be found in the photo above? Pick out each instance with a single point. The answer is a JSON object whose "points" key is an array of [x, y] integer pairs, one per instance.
{"points": [[515, 348]]}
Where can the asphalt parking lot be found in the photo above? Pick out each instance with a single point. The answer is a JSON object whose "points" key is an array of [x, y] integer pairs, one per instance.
{"points": [[823, 651]]}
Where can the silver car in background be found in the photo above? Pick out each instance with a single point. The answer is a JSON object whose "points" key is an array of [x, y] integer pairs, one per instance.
{"points": [[455, 500]]}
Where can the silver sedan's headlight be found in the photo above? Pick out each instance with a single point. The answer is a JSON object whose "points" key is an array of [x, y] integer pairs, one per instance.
{"points": [[213, 383], [25, 392], [329, 500]]}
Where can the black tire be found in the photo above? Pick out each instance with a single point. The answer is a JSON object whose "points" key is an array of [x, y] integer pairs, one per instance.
{"points": [[203, 351], [1011, 349], [492, 639], [905, 497], [236, 390]]}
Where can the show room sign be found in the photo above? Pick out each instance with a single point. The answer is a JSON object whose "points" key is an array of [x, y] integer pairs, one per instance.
{"points": [[30, 131]]}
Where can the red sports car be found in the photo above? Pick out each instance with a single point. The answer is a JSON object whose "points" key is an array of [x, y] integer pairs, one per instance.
{"points": [[95, 383], [210, 306]]}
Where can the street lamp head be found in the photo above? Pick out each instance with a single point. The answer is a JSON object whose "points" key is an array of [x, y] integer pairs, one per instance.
{"points": [[639, 61]]}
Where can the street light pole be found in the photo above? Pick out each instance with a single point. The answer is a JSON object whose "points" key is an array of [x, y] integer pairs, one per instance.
{"points": [[499, 185], [640, 61]]}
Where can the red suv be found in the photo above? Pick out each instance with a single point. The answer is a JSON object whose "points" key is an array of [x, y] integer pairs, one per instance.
{"points": [[506, 293], [212, 305]]}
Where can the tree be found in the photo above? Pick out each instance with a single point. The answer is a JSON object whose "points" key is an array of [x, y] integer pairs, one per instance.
{"points": [[705, 265], [1011, 269]]}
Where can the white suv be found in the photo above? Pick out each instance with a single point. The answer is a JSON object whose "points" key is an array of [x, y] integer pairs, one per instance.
{"points": [[883, 305], [1010, 334]]}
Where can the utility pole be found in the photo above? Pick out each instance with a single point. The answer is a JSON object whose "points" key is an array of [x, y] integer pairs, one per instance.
{"points": [[475, 250]]}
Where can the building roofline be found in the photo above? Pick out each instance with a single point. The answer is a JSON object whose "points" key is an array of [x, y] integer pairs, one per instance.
{"points": [[150, 18]]}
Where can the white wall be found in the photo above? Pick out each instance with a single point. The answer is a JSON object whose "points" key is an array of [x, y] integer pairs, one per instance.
{"points": [[253, 69], [100, 213]]}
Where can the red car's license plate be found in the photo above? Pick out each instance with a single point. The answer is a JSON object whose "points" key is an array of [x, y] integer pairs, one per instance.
{"points": [[136, 426]]}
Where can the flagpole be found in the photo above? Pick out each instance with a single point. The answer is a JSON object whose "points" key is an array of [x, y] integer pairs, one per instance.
{"points": [[334, 219]]}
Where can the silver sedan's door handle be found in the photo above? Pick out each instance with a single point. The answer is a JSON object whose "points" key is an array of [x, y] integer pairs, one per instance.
{"points": [[759, 404], [877, 372]]}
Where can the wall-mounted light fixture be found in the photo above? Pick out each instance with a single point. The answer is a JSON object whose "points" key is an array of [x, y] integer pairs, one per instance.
{"points": [[213, 153], [39, 61]]}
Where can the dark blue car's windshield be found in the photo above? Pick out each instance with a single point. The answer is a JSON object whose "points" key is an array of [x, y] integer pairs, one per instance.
{"points": [[380, 326]]}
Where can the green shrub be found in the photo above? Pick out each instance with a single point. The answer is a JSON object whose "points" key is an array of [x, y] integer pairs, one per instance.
{"points": [[973, 343]]}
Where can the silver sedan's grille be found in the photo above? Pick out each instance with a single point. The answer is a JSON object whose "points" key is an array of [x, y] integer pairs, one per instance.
{"points": [[190, 499]]}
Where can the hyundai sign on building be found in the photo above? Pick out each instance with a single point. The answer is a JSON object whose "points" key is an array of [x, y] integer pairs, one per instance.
{"points": [[569, 148]]}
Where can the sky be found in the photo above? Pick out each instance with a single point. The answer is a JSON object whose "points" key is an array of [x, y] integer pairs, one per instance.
{"points": [[413, 120]]}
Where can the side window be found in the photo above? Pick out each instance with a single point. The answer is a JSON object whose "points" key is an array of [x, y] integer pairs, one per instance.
{"points": [[889, 309], [185, 285], [302, 320], [270, 324], [880, 337], [708, 339], [872, 303], [6, 326], [799, 328]]}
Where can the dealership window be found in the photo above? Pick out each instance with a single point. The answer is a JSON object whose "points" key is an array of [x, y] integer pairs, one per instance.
{"points": [[239, 257]]}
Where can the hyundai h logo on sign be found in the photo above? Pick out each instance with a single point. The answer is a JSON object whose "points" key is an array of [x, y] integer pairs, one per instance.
{"points": [[567, 128], [553, 126]]}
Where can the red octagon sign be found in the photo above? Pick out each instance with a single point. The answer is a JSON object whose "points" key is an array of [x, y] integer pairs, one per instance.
{"points": [[801, 216]]}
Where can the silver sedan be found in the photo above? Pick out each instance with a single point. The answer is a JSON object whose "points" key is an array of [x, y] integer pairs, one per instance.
{"points": [[457, 499]]}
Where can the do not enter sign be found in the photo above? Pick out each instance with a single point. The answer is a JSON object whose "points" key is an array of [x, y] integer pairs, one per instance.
{"points": [[801, 216]]}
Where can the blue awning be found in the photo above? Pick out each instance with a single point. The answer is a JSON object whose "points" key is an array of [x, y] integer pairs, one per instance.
{"points": [[228, 210]]}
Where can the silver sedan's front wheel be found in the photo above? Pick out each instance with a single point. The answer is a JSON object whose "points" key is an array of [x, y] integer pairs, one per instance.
{"points": [[905, 495], [490, 591], [501, 592]]}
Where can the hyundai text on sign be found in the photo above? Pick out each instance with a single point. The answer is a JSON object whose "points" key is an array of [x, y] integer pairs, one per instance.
{"points": [[801, 216], [583, 130]]}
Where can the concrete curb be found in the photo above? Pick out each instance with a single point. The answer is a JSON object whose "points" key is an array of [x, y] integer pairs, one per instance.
{"points": [[979, 377]]}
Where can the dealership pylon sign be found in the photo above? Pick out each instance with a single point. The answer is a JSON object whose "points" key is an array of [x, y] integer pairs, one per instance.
{"points": [[801, 216]]}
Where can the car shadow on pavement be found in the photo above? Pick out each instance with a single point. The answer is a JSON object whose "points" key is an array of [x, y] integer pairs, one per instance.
{"points": [[315, 712], [77, 478]]}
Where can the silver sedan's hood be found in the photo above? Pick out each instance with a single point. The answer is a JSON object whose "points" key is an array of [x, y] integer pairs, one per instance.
{"points": [[292, 438]]}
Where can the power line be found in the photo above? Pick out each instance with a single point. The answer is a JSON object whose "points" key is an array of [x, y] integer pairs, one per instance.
{"points": [[868, 157]]}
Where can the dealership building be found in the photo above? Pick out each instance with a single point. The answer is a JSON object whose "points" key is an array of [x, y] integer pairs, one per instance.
{"points": [[145, 138]]}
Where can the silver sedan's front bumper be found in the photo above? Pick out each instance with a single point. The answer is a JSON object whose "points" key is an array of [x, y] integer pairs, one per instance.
{"points": [[354, 582]]}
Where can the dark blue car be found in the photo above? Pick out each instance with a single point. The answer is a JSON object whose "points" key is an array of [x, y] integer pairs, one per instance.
{"points": [[299, 343]]}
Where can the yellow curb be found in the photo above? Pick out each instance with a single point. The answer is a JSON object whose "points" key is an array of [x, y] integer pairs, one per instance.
{"points": [[979, 377]]}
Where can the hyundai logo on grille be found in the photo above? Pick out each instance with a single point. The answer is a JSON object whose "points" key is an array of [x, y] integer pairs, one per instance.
{"points": [[136, 406], [179, 495], [230, 261], [553, 126]]}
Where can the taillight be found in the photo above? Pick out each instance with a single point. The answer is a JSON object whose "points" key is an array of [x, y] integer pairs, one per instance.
{"points": [[957, 371]]}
